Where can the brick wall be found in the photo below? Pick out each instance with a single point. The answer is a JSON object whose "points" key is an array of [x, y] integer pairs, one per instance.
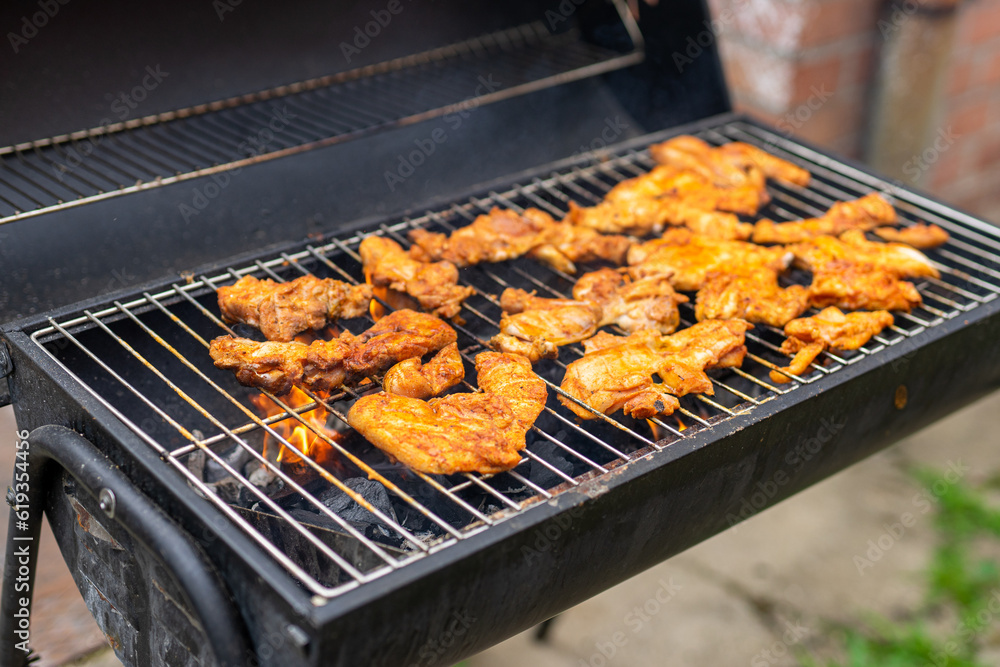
{"points": [[810, 67]]}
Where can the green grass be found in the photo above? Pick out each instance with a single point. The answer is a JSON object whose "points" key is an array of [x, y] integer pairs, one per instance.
{"points": [[956, 582]]}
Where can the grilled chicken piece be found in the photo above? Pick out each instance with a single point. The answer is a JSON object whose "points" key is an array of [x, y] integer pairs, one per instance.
{"points": [[475, 432], [830, 329], [415, 380], [693, 154], [753, 295], [647, 303], [773, 167], [863, 214], [853, 273], [917, 236], [688, 258], [281, 310], [616, 372], [896, 259], [504, 234], [860, 285], [730, 165], [434, 285], [325, 365], [534, 326]]}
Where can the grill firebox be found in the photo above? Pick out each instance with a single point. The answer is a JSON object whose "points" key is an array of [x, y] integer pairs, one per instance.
{"points": [[581, 486]]}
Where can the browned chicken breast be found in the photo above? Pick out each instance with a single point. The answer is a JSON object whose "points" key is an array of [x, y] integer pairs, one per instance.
{"points": [[434, 285], [504, 234], [753, 295], [863, 214], [281, 310], [326, 365], [917, 236], [534, 326], [416, 380], [829, 329], [616, 372], [688, 258], [647, 303], [476, 432]]}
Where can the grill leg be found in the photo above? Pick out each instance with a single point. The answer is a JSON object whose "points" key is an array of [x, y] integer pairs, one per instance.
{"points": [[542, 630], [51, 446]]}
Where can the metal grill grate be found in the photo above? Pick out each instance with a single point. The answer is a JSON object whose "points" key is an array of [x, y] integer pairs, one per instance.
{"points": [[146, 359], [72, 169]]}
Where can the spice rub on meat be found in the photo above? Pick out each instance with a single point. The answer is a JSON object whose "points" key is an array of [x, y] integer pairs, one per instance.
{"points": [[325, 365], [504, 234], [467, 432], [829, 329], [864, 214], [281, 310], [434, 285], [616, 372], [688, 258], [414, 379]]}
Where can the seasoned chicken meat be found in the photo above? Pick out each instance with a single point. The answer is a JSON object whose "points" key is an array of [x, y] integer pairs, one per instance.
{"points": [[434, 285], [863, 214], [281, 310], [325, 365], [504, 234], [688, 258], [416, 380], [917, 236], [730, 165], [896, 259], [470, 432], [853, 273], [616, 372], [753, 295], [534, 326], [829, 329], [647, 303]]}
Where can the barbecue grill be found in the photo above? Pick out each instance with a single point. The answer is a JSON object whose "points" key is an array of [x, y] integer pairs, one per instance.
{"points": [[190, 542]]}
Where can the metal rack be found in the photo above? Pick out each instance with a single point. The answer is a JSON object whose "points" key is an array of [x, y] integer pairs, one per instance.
{"points": [[139, 154], [164, 335]]}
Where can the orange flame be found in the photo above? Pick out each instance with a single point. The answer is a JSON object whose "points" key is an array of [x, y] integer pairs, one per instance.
{"points": [[654, 428], [680, 425], [306, 439]]}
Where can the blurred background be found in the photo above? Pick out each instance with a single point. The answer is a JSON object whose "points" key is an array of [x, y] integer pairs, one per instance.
{"points": [[861, 562]]}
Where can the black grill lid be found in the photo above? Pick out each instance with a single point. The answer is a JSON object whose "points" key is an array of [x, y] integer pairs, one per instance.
{"points": [[603, 81]]}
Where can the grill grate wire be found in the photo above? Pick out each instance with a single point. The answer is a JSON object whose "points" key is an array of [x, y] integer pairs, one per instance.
{"points": [[970, 276]]}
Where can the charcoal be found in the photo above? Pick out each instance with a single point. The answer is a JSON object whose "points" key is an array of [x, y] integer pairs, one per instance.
{"points": [[372, 491], [555, 457]]}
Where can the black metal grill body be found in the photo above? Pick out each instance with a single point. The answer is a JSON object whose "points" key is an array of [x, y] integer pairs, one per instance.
{"points": [[554, 552], [112, 265]]}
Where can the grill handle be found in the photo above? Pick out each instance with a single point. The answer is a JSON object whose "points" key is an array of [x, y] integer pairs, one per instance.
{"points": [[205, 593]]}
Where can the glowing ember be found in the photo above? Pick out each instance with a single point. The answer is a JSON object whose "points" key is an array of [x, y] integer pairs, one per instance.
{"points": [[306, 439]]}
